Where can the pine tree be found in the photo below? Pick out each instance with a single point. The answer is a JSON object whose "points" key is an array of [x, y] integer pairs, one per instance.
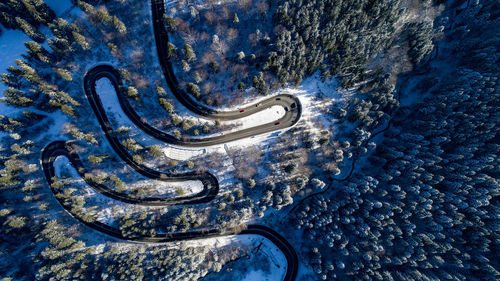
{"points": [[39, 11], [189, 52], [103, 16], [65, 74], [38, 52], [119, 25], [166, 105], [194, 90], [29, 30], [27, 71], [81, 40], [16, 98], [172, 51], [133, 92], [156, 151], [170, 23]]}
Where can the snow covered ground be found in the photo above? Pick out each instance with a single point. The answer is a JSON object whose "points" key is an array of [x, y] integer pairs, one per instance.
{"points": [[12, 42], [115, 113], [265, 116], [63, 166], [168, 188], [108, 213], [54, 132], [12, 46], [110, 101], [277, 266], [278, 262], [59, 6], [315, 95], [182, 154]]}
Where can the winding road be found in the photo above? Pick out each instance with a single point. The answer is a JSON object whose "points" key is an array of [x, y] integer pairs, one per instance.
{"points": [[162, 40], [293, 111], [291, 104], [62, 148]]}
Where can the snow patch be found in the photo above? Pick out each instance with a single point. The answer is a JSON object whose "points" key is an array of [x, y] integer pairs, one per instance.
{"points": [[187, 187], [265, 116], [315, 94], [278, 263], [62, 166], [12, 46], [107, 94], [182, 154], [59, 6], [109, 99], [259, 275]]}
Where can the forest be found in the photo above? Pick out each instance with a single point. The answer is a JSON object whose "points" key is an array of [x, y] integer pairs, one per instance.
{"points": [[390, 174]]}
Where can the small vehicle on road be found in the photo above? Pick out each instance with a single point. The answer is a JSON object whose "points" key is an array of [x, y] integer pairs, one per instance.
{"points": [[293, 105], [277, 123], [242, 110], [278, 98], [259, 104], [286, 108]]}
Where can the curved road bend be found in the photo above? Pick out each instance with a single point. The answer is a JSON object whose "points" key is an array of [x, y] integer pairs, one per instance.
{"points": [[162, 40], [293, 112], [291, 118], [292, 105], [210, 182], [59, 148]]}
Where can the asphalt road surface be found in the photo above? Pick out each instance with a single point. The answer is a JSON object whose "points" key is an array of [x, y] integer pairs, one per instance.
{"points": [[292, 106], [292, 115], [162, 39], [63, 148]]}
